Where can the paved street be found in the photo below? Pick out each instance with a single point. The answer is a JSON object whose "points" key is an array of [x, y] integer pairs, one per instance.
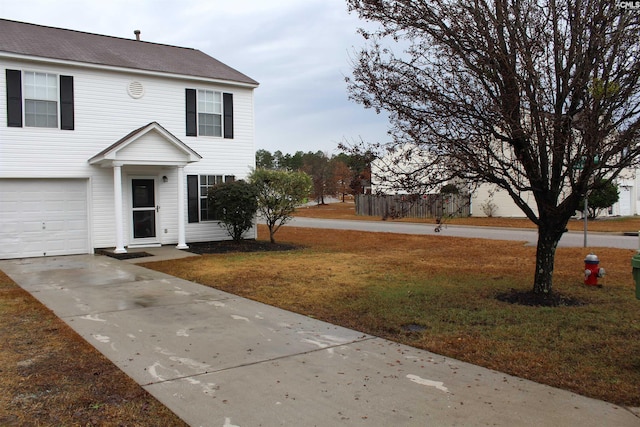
{"points": [[570, 239]]}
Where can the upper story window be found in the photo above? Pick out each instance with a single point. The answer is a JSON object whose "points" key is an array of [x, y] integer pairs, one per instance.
{"points": [[209, 113], [40, 100]]}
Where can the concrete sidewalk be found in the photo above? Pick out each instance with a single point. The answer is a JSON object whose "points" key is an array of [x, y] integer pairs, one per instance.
{"points": [[219, 360]]}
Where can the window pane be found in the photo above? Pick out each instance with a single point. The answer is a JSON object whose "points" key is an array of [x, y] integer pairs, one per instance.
{"points": [[41, 92], [205, 101], [52, 80], [217, 103], [29, 78], [205, 124], [39, 121], [52, 93], [41, 113], [217, 125], [143, 193], [144, 224], [40, 79], [40, 86], [29, 85]]}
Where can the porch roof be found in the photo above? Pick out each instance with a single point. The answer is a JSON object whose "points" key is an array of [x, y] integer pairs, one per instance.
{"points": [[150, 144]]}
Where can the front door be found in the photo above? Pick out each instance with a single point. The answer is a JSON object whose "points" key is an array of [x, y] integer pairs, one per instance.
{"points": [[143, 205]]}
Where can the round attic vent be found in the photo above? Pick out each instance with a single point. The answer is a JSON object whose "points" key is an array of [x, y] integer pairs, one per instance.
{"points": [[135, 90]]}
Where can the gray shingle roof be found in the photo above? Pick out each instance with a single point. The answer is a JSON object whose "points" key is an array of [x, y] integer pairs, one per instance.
{"points": [[69, 45]]}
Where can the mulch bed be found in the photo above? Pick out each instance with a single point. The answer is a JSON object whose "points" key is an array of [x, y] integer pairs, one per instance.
{"points": [[128, 255], [226, 246]]}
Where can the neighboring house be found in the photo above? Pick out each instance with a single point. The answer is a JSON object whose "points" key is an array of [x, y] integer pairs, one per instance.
{"points": [[390, 173], [108, 142], [489, 200], [487, 196]]}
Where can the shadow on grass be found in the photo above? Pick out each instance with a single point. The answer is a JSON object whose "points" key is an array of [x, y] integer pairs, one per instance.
{"points": [[529, 298]]}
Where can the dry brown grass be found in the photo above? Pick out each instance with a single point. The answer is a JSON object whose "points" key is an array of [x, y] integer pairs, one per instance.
{"points": [[347, 211], [378, 283], [51, 377]]}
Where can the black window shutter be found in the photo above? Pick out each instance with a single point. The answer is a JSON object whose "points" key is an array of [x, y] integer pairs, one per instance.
{"points": [[227, 105], [192, 197], [66, 103], [191, 112], [14, 98]]}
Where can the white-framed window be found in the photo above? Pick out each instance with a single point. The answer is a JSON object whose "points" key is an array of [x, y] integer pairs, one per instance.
{"points": [[198, 187], [207, 182], [40, 99], [209, 113]]}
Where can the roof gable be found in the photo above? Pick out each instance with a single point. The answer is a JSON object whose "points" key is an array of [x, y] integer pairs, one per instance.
{"points": [[69, 45], [148, 145]]}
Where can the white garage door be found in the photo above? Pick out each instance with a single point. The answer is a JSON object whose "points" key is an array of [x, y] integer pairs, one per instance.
{"points": [[43, 217]]}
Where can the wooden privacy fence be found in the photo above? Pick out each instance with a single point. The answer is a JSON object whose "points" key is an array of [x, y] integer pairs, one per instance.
{"points": [[413, 206]]}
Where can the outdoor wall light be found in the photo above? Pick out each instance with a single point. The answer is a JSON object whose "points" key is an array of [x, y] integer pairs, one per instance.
{"points": [[165, 179]]}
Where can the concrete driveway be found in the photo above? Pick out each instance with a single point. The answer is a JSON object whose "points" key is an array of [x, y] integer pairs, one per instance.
{"points": [[219, 360]]}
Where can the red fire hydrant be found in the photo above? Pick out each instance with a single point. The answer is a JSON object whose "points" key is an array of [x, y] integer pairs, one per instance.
{"points": [[592, 271]]}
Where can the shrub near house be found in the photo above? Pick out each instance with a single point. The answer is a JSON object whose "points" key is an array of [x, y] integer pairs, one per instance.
{"points": [[234, 204]]}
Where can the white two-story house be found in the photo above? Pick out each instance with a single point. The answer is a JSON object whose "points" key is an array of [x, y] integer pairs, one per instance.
{"points": [[108, 142]]}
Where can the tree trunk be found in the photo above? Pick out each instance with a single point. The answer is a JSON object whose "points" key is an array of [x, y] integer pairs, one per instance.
{"points": [[548, 237], [271, 225]]}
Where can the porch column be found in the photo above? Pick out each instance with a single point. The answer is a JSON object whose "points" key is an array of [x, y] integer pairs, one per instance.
{"points": [[182, 241], [117, 202]]}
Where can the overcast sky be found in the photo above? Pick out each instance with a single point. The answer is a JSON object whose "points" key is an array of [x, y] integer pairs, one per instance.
{"points": [[298, 50]]}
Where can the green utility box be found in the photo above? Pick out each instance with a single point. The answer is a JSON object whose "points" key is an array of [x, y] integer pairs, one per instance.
{"points": [[635, 263]]}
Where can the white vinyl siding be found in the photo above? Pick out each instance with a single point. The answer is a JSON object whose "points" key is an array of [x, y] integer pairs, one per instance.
{"points": [[504, 206]]}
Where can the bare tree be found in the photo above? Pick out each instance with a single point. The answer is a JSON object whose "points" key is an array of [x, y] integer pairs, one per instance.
{"points": [[319, 167], [342, 176], [537, 96]]}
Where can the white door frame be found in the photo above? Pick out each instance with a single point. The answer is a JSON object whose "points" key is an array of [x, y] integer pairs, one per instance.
{"points": [[144, 241]]}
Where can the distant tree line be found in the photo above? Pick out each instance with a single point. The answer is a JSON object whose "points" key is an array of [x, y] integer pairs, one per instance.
{"points": [[336, 175]]}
